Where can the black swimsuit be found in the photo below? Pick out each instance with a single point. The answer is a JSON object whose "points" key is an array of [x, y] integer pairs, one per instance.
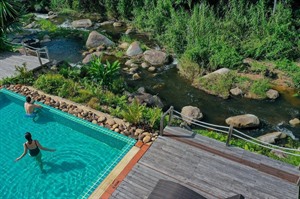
{"points": [[33, 152]]}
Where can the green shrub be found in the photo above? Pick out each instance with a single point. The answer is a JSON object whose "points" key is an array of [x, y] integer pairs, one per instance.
{"points": [[117, 112], [251, 147], [260, 87], [243, 83], [104, 74], [82, 96], [133, 112], [291, 68], [94, 103], [59, 5], [258, 67], [189, 69], [152, 116], [218, 84], [55, 84], [47, 25], [70, 72], [224, 55]]}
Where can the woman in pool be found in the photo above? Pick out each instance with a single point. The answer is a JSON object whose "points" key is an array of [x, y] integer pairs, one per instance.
{"points": [[33, 146]]}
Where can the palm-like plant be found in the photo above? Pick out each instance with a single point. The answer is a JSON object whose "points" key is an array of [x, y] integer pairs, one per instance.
{"points": [[101, 73], [133, 113], [9, 13]]}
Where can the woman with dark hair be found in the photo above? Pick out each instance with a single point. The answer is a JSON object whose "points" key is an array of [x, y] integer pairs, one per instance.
{"points": [[33, 146], [30, 107]]}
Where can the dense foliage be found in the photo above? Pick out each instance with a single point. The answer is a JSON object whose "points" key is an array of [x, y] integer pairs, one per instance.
{"points": [[209, 34], [9, 14], [213, 34]]}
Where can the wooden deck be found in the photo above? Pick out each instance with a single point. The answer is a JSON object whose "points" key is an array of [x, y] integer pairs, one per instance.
{"points": [[193, 161], [9, 60]]}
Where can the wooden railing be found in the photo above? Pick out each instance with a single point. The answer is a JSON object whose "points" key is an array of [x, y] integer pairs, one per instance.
{"points": [[38, 51], [229, 130]]}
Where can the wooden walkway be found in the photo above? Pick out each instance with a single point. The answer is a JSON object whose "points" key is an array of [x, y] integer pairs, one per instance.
{"points": [[192, 161], [9, 60]]}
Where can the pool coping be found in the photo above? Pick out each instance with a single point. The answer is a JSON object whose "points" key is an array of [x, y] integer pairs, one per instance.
{"points": [[118, 174]]}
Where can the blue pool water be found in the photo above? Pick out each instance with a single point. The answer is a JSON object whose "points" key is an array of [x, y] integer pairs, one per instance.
{"points": [[85, 153]]}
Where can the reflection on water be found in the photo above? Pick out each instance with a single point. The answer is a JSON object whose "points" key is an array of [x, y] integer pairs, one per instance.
{"points": [[65, 49]]}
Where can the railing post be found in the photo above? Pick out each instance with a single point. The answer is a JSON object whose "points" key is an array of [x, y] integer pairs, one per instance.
{"points": [[24, 48], [39, 57], [47, 53], [170, 115], [229, 135], [161, 130]]}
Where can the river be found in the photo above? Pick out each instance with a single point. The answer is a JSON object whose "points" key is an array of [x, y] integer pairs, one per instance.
{"points": [[176, 91]]}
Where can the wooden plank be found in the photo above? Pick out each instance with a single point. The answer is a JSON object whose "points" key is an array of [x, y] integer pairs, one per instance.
{"points": [[9, 60], [210, 175]]}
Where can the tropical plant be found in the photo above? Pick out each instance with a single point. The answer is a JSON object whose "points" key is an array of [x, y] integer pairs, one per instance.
{"points": [[25, 76], [152, 116], [133, 112], [104, 74], [9, 15]]}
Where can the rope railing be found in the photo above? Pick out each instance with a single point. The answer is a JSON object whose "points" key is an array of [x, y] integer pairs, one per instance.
{"points": [[230, 131]]}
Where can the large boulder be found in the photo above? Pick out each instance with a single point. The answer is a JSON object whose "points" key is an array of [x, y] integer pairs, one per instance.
{"points": [[272, 137], [156, 57], [220, 71], [134, 49], [96, 39], [243, 121], [236, 91], [189, 113], [82, 23], [294, 122], [89, 57], [146, 98]]}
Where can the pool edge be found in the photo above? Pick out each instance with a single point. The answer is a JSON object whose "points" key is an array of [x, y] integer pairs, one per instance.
{"points": [[118, 174]]}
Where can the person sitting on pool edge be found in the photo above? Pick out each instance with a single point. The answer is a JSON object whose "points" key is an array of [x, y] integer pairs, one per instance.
{"points": [[30, 107], [33, 146]]}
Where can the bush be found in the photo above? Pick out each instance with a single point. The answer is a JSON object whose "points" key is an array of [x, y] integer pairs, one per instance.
{"points": [[260, 87], [217, 84], [94, 103], [82, 96], [47, 25], [253, 147], [133, 112], [56, 84], [189, 69], [104, 74], [291, 68], [152, 116]]}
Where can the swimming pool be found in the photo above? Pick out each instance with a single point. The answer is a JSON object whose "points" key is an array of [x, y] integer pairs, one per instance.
{"points": [[85, 153]]}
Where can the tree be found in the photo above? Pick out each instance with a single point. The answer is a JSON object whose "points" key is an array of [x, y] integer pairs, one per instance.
{"points": [[9, 14]]}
